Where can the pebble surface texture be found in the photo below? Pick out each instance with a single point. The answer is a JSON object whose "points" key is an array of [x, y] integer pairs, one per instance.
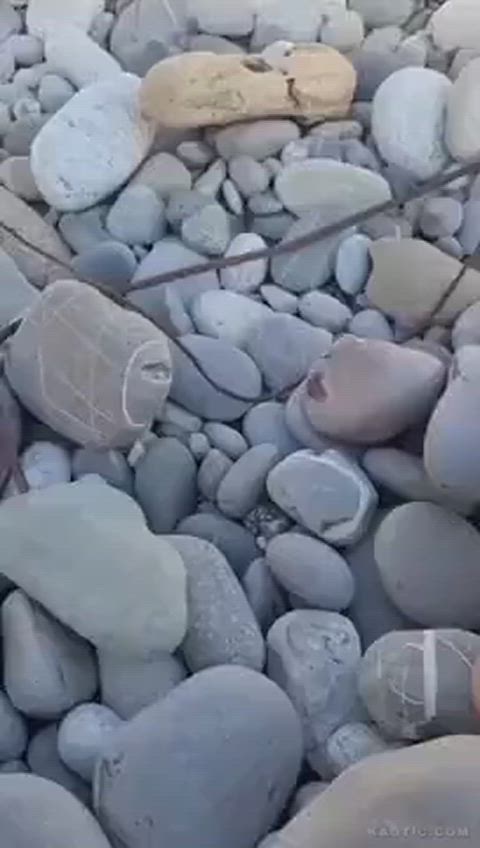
{"points": [[239, 510]]}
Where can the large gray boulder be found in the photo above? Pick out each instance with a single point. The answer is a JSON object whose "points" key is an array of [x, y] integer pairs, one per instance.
{"points": [[164, 779], [83, 551]]}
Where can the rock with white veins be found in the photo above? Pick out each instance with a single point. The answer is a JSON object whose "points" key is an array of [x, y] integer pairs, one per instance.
{"points": [[95, 566], [328, 494], [417, 684], [92, 145]]}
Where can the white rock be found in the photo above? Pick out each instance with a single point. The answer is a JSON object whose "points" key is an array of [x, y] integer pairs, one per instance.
{"points": [[456, 24], [248, 276], [92, 145], [44, 15], [302, 186], [75, 56], [463, 114], [227, 315], [408, 120]]}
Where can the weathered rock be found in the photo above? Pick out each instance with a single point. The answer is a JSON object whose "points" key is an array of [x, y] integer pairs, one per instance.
{"points": [[424, 789], [411, 278], [313, 574], [235, 542], [455, 24], [222, 629], [47, 668], [196, 89], [44, 760], [417, 684], [83, 736], [314, 657], [244, 483], [461, 135], [368, 391], [128, 685], [305, 186], [165, 484], [21, 218], [327, 494], [229, 367], [13, 730], [259, 734], [126, 371], [297, 346], [428, 560], [92, 145], [139, 610], [37, 813], [408, 120]]}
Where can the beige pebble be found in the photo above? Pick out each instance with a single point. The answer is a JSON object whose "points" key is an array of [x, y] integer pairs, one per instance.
{"points": [[201, 89]]}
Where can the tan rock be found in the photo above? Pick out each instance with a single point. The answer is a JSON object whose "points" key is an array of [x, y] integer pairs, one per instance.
{"points": [[201, 89], [410, 278], [425, 794], [21, 218]]}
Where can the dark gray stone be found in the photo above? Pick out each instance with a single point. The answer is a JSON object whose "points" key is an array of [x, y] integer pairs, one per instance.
{"points": [[263, 594], [109, 464], [13, 730], [110, 262], [244, 483], [233, 540], [165, 484]]}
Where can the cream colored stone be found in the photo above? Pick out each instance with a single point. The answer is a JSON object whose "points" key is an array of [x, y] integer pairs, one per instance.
{"points": [[200, 89], [411, 278]]}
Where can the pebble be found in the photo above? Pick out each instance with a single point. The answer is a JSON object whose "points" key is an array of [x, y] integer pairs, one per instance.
{"points": [[84, 734], [44, 760], [395, 387], [461, 135], [299, 425], [419, 682], [277, 20], [44, 15], [353, 263], [19, 139], [233, 540], [213, 469], [411, 298], [343, 30], [306, 794], [84, 230], [145, 32], [244, 483], [85, 512], [199, 446], [469, 234], [17, 293], [266, 203], [230, 367], [164, 174], [109, 464], [45, 464], [16, 175], [450, 461], [73, 55], [259, 139], [226, 439], [214, 17], [466, 330], [456, 24], [110, 262], [248, 276], [47, 669], [351, 744], [14, 767], [314, 657], [232, 197], [302, 186], [208, 230], [167, 255], [195, 154], [441, 217], [228, 315], [249, 176], [165, 484], [13, 730], [263, 594], [137, 216], [260, 735], [279, 300], [370, 324], [327, 494], [407, 122], [297, 346], [371, 610], [222, 629], [273, 227], [101, 117], [323, 310], [213, 44], [428, 562], [129, 685], [210, 182], [376, 13], [265, 423], [194, 86], [182, 203], [313, 574], [440, 774]]}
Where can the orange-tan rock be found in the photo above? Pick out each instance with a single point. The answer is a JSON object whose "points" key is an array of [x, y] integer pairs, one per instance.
{"points": [[202, 89]]}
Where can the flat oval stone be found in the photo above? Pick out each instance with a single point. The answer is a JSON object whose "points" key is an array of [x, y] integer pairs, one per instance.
{"points": [[235, 542], [429, 564], [244, 724], [244, 483], [303, 186]]}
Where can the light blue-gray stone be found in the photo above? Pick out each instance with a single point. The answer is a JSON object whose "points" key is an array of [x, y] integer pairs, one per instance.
{"points": [[235, 542], [353, 263], [165, 484], [266, 424], [243, 484], [110, 263]]}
